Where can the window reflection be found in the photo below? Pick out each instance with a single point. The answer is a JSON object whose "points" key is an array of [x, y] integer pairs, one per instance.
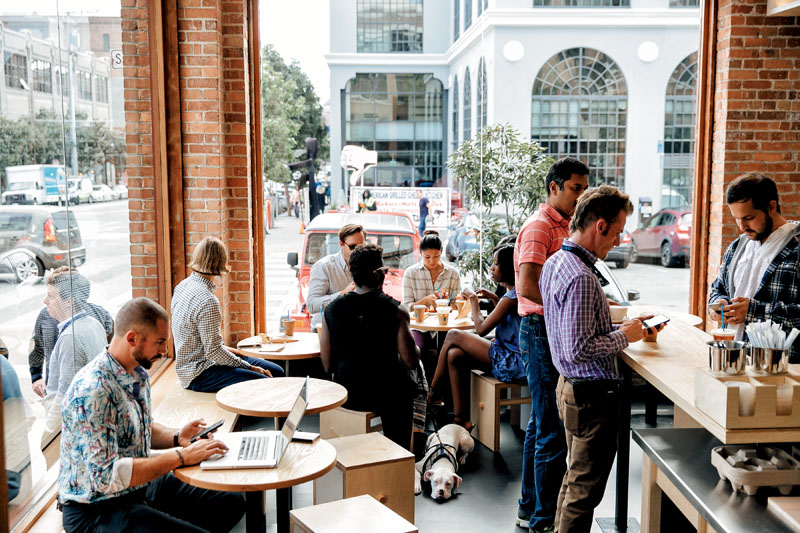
{"points": [[676, 189], [389, 26]]}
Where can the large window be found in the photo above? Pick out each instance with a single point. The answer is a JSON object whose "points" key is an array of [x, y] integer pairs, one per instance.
{"points": [[467, 120], [582, 3], [401, 117], [454, 99], [679, 110], [389, 26], [482, 96], [578, 108], [684, 3], [456, 19], [42, 76], [16, 69], [467, 14], [84, 85], [101, 88]]}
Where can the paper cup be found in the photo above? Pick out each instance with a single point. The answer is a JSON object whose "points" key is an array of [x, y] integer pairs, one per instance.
{"points": [[264, 338], [442, 302], [444, 315], [419, 313], [288, 326], [460, 305]]}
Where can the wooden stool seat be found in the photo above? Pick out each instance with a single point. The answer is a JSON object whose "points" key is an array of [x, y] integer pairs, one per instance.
{"points": [[370, 464], [341, 422], [486, 402], [361, 514]]}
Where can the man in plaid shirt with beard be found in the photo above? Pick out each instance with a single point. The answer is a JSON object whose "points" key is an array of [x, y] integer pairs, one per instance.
{"points": [[759, 278]]}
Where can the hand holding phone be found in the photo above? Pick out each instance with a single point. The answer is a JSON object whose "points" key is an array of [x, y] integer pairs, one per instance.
{"points": [[210, 429], [654, 322]]}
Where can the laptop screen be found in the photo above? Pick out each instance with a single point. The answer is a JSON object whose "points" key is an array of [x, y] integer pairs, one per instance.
{"points": [[296, 414]]}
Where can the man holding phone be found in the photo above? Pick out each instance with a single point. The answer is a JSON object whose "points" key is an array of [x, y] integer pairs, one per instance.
{"points": [[108, 479], [584, 347], [759, 277]]}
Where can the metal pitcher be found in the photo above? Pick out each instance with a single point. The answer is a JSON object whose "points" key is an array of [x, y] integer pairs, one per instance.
{"points": [[727, 357], [769, 360]]}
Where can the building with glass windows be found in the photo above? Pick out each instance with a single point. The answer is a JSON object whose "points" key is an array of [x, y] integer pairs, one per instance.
{"points": [[609, 81]]}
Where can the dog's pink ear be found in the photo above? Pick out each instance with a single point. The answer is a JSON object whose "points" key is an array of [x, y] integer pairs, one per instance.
{"points": [[427, 475], [457, 480]]}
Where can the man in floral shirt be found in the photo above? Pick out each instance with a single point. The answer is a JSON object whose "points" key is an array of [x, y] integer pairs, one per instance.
{"points": [[108, 480]]}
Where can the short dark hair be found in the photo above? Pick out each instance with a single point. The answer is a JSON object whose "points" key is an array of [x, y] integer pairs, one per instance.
{"points": [[140, 315], [505, 260], [365, 261], [350, 229], [604, 202], [756, 187], [562, 170], [430, 241]]}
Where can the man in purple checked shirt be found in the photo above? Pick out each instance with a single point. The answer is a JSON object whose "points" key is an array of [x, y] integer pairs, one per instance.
{"points": [[584, 347]]}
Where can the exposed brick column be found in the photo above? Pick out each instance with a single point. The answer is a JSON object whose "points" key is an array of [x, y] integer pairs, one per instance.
{"points": [[756, 112], [139, 150], [214, 110]]}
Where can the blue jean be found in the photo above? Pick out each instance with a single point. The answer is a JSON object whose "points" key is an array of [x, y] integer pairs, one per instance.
{"points": [[544, 454], [422, 223], [218, 377]]}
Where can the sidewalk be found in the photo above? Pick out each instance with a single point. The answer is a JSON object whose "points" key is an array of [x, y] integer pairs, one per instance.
{"points": [[281, 280]]}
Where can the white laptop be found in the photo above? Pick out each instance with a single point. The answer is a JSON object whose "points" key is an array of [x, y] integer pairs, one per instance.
{"points": [[259, 449]]}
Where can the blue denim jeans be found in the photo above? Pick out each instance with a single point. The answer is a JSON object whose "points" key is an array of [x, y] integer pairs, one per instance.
{"points": [[544, 454], [217, 377]]}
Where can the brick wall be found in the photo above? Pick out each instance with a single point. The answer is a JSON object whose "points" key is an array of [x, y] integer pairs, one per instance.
{"points": [[756, 111], [139, 152], [215, 152]]}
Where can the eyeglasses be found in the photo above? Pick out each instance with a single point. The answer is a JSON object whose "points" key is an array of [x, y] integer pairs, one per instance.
{"points": [[351, 246]]}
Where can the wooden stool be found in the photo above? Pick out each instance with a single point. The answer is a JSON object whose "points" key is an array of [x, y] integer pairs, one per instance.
{"points": [[341, 422], [370, 464], [362, 514], [486, 402]]}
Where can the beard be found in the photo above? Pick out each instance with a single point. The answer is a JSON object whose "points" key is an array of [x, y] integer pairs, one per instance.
{"points": [[143, 361], [761, 236]]}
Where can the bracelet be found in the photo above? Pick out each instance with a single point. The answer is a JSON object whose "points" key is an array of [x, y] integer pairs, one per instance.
{"points": [[180, 456], [175, 442]]}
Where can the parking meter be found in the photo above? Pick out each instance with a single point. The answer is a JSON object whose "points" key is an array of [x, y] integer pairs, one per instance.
{"points": [[645, 210]]}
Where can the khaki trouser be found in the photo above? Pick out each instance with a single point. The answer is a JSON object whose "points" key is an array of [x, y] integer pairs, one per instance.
{"points": [[591, 430]]}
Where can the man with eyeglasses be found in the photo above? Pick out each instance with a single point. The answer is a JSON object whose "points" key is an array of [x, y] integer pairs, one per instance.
{"points": [[330, 276]]}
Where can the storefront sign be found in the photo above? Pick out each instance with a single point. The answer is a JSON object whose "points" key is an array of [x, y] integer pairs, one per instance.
{"points": [[406, 200]]}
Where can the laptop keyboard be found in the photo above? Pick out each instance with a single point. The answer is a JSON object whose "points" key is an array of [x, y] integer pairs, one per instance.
{"points": [[256, 448]]}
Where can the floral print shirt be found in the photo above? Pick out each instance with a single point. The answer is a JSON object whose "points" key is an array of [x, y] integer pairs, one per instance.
{"points": [[106, 424]]}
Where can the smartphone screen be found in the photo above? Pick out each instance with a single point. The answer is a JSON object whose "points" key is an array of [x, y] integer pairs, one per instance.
{"points": [[208, 430], [655, 321]]}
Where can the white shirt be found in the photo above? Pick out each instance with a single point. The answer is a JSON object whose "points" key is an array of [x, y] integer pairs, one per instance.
{"points": [[329, 276], [753, 263]]}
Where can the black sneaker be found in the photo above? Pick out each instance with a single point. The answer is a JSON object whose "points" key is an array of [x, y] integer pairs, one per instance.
{"points": [[523, 518]]}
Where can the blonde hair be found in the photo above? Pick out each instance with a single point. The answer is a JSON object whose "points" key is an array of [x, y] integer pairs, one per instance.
{"points": [[210, 257]]}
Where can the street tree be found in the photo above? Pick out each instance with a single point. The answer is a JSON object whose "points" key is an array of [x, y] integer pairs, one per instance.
{"points": [[498, 170]]}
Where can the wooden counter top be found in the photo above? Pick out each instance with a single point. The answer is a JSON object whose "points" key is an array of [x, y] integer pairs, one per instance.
{"points": [[669, 365]]}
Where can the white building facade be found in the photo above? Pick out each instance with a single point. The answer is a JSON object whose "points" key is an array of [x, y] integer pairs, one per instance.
{"points": [[611, 82]]}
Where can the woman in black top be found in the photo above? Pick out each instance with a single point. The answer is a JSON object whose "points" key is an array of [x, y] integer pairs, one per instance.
{"points": [[366, 343]]}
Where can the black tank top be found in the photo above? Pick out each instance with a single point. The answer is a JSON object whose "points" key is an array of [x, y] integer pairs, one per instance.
{"points": [[363, 333]]}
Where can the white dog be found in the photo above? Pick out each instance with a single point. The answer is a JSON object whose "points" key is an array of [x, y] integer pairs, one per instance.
{"points": [[441, 461]]}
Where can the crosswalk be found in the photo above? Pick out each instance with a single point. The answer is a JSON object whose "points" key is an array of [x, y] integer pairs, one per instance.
{"points": [[281, 279]]}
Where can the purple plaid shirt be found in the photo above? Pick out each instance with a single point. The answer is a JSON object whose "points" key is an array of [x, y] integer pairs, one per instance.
{"points": [[582, 341]]}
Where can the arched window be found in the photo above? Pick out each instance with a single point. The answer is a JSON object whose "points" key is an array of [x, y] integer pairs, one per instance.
{"points": [[676, 183], [456, 19], [401, 117], [482, 95], [455, 115], [578, 108], [467, 14], [467, 120]]}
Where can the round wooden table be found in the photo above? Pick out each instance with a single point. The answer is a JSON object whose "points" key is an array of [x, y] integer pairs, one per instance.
{"points": [[301, 462], [274, 397], [431, 323], [306, 346], [686, 318]]}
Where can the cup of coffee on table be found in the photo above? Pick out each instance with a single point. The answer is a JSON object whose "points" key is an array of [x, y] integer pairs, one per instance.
{"points": [[419, 313], [460, 305], [723, 334], [618, 313], [444, 314], [288, 326], [264, 338], [442, 302]]}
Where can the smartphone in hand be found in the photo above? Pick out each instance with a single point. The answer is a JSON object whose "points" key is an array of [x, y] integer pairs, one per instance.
{"points": [[213, 427], [654, 322]]}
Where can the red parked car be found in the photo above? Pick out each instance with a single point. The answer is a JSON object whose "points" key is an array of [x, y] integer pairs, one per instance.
{"points": [[666, 236]]}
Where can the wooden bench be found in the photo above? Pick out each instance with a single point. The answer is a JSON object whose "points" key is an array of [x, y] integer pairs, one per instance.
{"points": [[487, 399], [180, 406], [341, 422], [370, 464], [361, 514]]}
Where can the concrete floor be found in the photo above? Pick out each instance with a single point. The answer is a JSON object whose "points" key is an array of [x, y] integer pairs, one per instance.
{"points": [[488, 498]]}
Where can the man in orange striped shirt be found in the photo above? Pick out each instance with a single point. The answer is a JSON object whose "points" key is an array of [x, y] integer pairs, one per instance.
{"points": [[545, 448]]}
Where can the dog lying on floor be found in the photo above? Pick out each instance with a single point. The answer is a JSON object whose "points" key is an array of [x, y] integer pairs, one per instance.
{"points": [[441, 460]]}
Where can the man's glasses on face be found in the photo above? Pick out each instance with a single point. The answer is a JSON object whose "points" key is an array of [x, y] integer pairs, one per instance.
{"points": [[351, 247]]}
